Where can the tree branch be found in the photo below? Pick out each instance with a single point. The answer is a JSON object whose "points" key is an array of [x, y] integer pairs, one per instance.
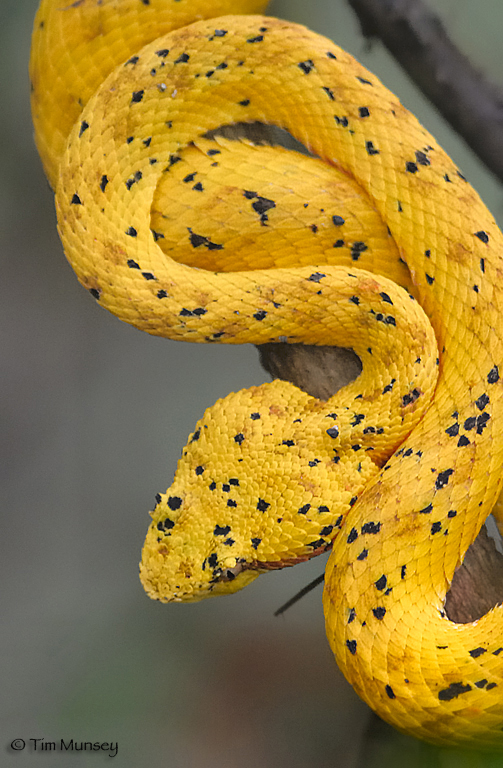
{"points": [[422, 44], [418, 40], [474, 108]]}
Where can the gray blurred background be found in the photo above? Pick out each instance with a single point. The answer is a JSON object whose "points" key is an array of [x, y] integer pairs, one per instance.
{"points": [[94, 416]]}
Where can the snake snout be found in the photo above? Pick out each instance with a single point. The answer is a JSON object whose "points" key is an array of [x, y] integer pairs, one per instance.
{"points": [[186, 557]]}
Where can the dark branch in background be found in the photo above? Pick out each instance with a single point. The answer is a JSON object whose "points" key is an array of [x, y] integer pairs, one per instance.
{"points": [[419, 42]]}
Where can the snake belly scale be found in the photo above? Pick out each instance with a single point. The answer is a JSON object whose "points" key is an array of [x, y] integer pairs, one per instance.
{"points": [[207, 240]]}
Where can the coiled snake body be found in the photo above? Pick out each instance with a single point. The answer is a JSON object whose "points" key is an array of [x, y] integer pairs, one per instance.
{"points": [[206, 240]]}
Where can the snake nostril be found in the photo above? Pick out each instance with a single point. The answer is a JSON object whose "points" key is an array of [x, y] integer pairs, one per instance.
{"points": [[229, 574]]}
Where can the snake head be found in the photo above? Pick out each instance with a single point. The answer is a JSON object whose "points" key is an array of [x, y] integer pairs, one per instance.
{"points": [[258, 488], [187, 556]]}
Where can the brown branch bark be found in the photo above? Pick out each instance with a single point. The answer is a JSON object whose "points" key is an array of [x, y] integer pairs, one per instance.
{"points": [[418, 40]]}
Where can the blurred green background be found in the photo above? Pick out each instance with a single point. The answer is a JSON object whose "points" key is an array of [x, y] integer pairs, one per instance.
{"points": [[94, 416]]}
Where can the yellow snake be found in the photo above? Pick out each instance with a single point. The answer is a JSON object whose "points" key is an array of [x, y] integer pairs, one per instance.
{"points": [[201, 239]]}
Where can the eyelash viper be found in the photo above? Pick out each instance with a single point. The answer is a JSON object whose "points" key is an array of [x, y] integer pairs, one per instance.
{"points": [[205, 240]]}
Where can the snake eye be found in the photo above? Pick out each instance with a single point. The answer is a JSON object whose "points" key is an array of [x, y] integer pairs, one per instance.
{"points": [[166, 513]]}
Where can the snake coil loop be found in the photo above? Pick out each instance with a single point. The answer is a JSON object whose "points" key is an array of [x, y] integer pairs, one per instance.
{"points": [[376, 242]]}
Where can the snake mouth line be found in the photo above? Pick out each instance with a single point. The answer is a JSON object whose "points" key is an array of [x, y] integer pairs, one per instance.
{"points": [[229, 574], [290, 561]]}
